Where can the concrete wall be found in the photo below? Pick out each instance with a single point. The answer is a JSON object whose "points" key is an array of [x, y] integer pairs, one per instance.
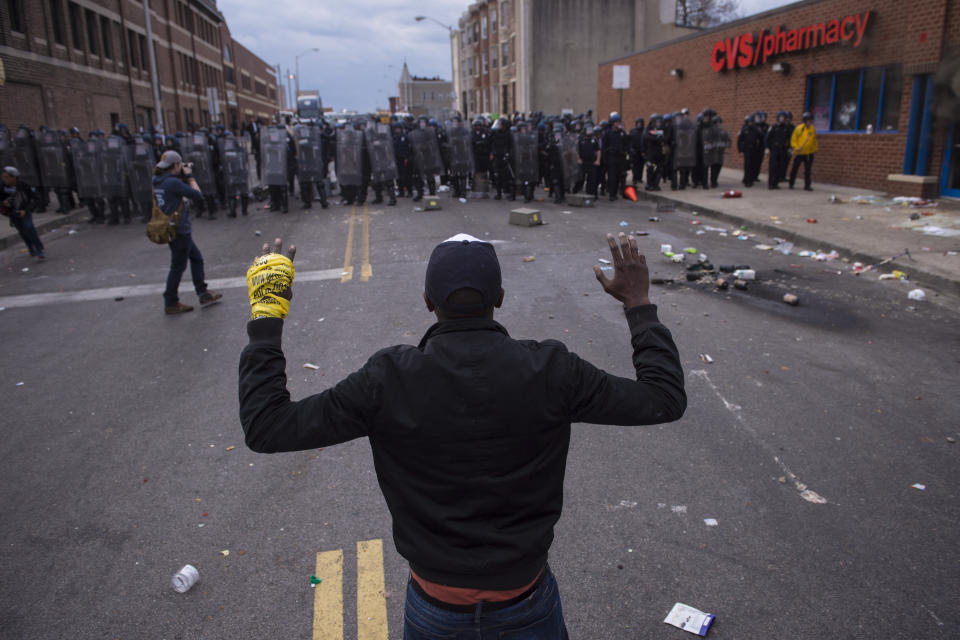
{"points": [[571, 37]]}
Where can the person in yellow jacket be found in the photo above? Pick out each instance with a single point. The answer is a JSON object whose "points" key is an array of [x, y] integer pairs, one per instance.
{"points": [[803, 142]]}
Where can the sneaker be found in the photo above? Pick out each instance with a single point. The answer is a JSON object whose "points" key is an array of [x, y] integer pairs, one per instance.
{"points": [[177, 308], [208, 298]]}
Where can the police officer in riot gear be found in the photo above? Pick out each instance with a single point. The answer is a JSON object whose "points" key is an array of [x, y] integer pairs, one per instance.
{"points": [[501, 144], [614, 147], [653, 151], [636, 151], [778, 142]]}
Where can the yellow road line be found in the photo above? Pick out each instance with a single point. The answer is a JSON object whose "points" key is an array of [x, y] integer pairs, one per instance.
{"points": [[348, 257], [371, 600], [328, 597], [366, 270]]}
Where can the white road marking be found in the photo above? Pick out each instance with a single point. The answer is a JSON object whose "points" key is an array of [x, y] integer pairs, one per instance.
{"points": [[805, 492], [108, 293]]}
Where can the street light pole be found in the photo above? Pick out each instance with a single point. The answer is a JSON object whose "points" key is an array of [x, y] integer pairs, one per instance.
{"points": [[298, 66], [451, 31]]}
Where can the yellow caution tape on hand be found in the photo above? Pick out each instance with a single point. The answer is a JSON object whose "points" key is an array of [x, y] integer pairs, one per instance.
{"points": [[266, 278]]}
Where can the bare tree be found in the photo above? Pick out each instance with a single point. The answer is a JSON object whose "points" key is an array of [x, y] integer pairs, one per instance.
{"points": [[701, 14]]}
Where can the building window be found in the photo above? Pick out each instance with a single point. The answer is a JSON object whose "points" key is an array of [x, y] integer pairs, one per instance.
{"points": [[228, 75], [848, 101], [15, 10], [484, 60], [226, 54], [493, 57], [105, 35], [260, 88], [476, 32], [76, 31], [132, 40], [273, 93], [56, 17], [144, 60], [504, 7], [504, 53], [493, 19], [92, 33], [470, 64], [483, 27]]}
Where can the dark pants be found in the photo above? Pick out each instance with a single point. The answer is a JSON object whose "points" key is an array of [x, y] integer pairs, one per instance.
{"points": [[714, 175], [502, 175], [684, 176], [807, 161], [637, 168], [28, 232], [537, 617], [244, 203], [119, 206], [615, 173], [182, 249], [778, 167], [653, 176]]}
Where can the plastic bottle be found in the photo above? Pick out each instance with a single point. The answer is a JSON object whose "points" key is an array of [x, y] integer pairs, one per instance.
{"points": [[745, 274]]}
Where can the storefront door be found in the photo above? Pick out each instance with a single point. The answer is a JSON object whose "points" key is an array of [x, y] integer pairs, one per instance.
{"points": [[950, 180]]}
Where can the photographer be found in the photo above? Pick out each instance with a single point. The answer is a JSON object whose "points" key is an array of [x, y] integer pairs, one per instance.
{"points": [[173, 184], [17, 203]]}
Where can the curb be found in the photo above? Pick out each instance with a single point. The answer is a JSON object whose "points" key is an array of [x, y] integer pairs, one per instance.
{"points": [[77, 215], [941, 283]]}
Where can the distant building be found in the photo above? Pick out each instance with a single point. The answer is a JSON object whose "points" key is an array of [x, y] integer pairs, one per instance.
{"points": [[85, 63], [432, 97], [542, 55]]}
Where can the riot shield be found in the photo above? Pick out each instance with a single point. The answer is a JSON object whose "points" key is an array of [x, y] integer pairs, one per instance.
{"points": [[25, 157], [233, 163], [383, 163], [460, 146], [426, 151], [309, 153], [88, 166], [526, 166], [569, 154], [114, 176], [350, 157], [273, 156], [140, 163], [713, 145], [246, 143], [685, 143], [193, 148], [53, 161]]}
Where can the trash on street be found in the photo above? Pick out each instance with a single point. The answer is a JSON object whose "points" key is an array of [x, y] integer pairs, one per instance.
{"points": [[689, 619]]}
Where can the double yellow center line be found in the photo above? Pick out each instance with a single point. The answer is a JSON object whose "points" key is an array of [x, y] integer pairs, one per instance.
{"points": [[366, 269], [371, 599]]}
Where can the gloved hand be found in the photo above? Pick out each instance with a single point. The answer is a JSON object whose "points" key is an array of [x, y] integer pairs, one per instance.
{"points": [[269, 282]]}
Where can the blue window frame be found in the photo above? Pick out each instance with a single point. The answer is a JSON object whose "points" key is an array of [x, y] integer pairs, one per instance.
{"points": [[849, 101]]}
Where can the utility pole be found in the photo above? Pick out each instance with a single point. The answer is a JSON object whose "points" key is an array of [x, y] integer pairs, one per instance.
{"points": [[154, 80]]}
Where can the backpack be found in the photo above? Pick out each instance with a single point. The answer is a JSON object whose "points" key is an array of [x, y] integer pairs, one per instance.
{"points": [[162, 229]]}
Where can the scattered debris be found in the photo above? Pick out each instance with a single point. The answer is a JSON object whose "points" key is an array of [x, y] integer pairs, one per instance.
{"points": [[257, 233], [710, 522], [763, 247], [225, 553], [811, 220], [463, 201], [529, 258], [231, 448], [732, 193], [721, 284], [921, 487], [654, 219], [740, 284], [836, 200], [25, 269], [689, 619], [310, 365], [118, 299], [72, 232], [314, 581], [603, 261], [917, 294], [931, 230], [706, 358], [185, 578], [19, 384], [623, 223], [745, 274], [791, 299]]}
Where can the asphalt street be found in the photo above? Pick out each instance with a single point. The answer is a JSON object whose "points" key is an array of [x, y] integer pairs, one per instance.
{"points": [[803, 439]]}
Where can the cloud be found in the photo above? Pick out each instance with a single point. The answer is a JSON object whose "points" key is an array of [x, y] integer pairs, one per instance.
{"points": [[358, 41]]}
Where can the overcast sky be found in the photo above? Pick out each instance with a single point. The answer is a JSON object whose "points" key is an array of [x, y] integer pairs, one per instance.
{"points": [[358, 40]]}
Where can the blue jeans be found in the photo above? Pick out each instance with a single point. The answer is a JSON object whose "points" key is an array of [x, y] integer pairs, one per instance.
{"points": [[538, 617], [28, 233], [181, 250]]}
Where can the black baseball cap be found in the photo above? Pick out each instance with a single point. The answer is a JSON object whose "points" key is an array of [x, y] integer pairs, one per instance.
{"points": [[463, 262]]}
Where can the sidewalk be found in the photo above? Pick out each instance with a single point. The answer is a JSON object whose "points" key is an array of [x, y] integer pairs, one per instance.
{"points": [[866, 233]]}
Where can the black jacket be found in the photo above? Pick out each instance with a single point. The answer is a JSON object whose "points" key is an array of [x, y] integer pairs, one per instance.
{"points": [[469, 432]]}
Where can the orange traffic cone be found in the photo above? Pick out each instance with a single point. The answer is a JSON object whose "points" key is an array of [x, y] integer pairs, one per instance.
{"points": [[631, 193]]}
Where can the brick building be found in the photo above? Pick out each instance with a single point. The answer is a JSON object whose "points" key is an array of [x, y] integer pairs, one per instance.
{"points": [[433, 97], [85, 63], [880, 79]]}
